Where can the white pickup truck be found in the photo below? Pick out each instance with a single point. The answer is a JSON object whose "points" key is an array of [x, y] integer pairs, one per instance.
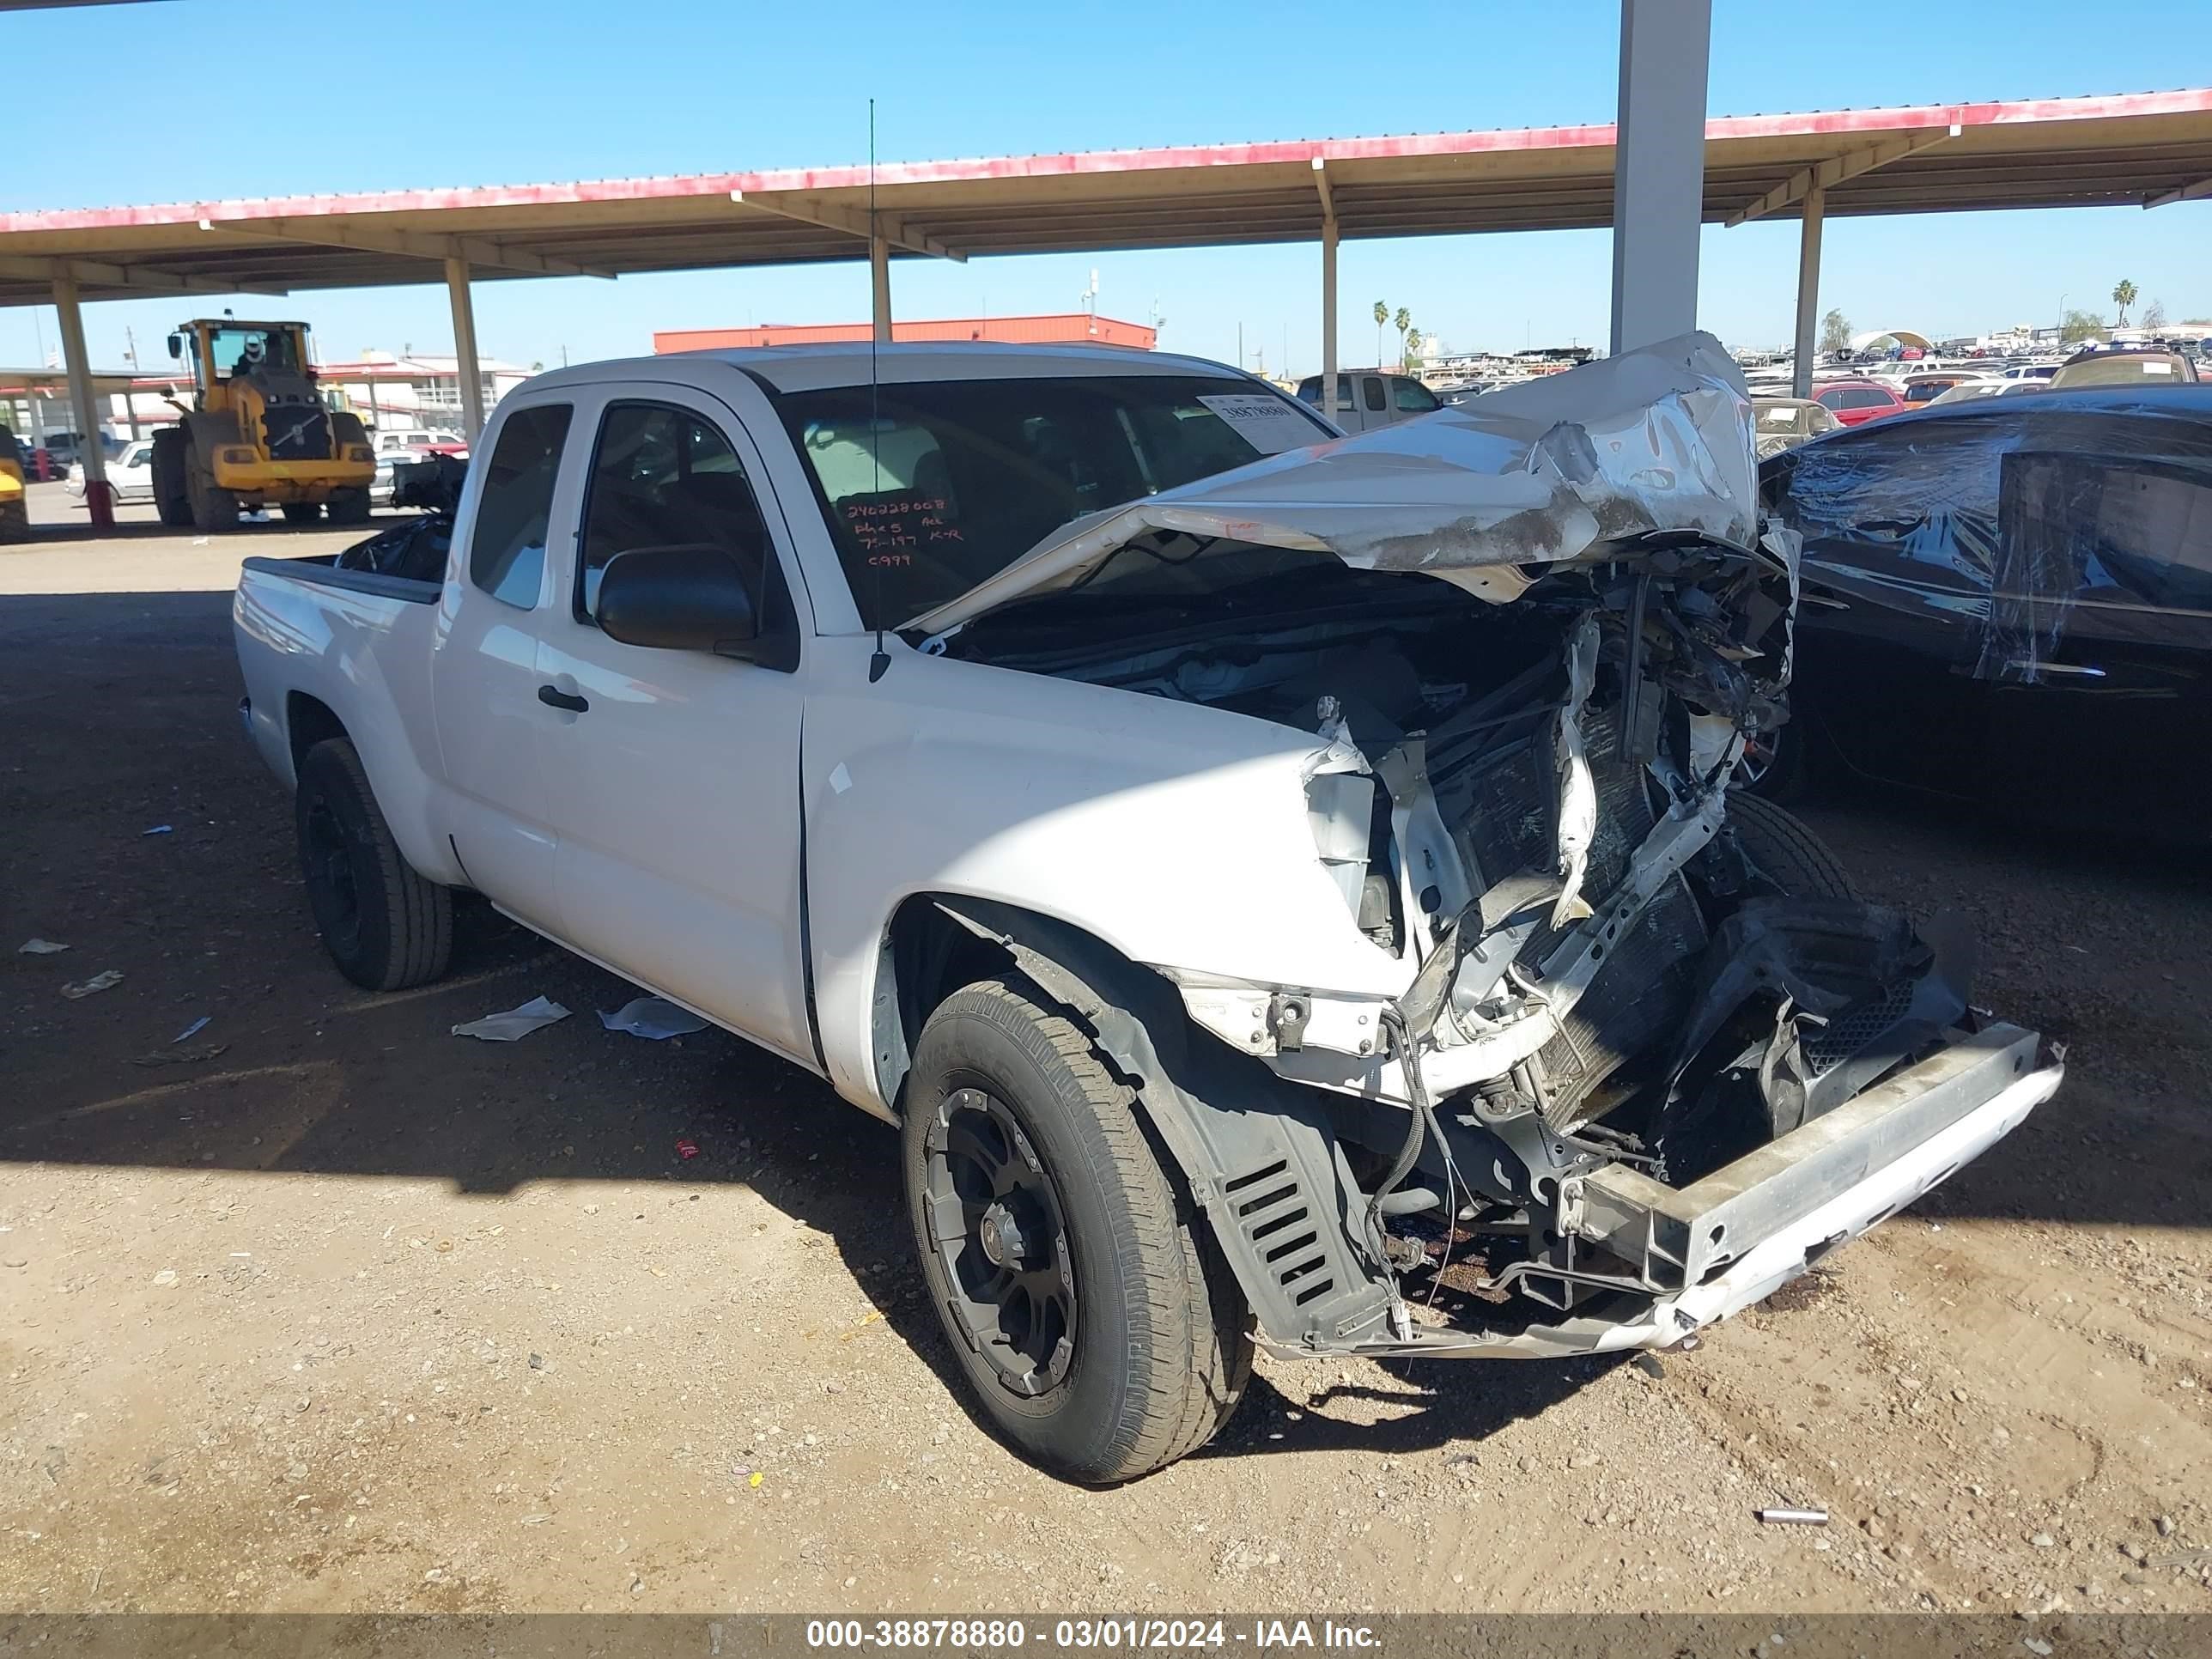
{"points": [[1287, 890]]}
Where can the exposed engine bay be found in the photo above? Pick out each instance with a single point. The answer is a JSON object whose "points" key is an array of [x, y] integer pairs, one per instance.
{"points": [[1527, 805]]}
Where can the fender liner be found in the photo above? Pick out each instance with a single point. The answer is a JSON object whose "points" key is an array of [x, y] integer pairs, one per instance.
{"points": [[1258, 1156]]}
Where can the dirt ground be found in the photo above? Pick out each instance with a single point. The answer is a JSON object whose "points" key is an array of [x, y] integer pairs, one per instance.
{"points": [[322, 1308]]}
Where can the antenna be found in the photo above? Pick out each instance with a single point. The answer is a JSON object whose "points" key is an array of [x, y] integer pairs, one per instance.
{"points": [[882, 660]]}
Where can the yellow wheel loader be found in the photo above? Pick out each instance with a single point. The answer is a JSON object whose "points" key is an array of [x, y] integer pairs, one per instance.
{"points": [[15, 512], [258, 433]]}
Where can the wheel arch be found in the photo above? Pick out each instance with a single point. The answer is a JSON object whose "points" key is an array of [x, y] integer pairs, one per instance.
{"points": [[309, 720], [1257, 1155]]}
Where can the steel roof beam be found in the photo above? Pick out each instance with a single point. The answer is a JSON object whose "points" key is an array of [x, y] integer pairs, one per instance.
{"points": [[1837, 168], [813, 211], [476, 251], [98, 273], [2203, 187]]}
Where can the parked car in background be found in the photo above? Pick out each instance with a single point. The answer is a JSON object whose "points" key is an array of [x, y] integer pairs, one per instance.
{"points": [[2126, 367], [2010, 601], [389, 441], [1369, 398], [1855, 402], [1780, 423], [1928, 385], [397, 447], [130, 475], [1968, 391]]}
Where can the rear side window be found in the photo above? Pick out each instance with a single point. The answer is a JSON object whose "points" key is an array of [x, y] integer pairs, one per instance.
{"points": [[1413, 397], [506, 552], [667, 478], [1373, 388]]}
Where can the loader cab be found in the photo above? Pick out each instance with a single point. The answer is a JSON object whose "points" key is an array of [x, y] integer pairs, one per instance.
{"points": [[223, 351]]}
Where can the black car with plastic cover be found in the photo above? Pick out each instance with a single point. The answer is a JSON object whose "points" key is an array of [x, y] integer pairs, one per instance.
{"points": [[2010, 602]]}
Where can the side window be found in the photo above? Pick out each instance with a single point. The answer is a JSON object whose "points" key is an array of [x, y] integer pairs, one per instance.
{"points": [[666, 478], [1372, 387], [506, 551], [1413, 397]]}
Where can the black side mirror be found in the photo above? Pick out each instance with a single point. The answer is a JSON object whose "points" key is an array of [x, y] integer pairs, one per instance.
{"points": [[677, 598], [177, 345]]}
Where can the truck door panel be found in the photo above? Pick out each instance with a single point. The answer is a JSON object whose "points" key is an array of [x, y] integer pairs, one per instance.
{"points": [[493, 732], [675, 791]]}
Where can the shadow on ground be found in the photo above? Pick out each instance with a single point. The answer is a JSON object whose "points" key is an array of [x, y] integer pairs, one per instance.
{"points": [[121, 711]]}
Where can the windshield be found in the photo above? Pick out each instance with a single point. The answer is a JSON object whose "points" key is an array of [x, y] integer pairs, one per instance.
{"points": [[956, 479], [230, 348]]}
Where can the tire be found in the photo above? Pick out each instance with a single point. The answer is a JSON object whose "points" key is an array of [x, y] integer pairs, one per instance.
{"points": [[303, 512], [214, 510], [385, 926], [15, 521], [1146, 1355], [349, 507], [172, 495], [1787, 854]]}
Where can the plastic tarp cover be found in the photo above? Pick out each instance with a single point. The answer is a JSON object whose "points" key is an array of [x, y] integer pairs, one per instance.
{"points": [[2037, 508], [1554, 469]]}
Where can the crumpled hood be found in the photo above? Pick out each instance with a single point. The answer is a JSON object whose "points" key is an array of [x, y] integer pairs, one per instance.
{"points": [[1656, 439]]}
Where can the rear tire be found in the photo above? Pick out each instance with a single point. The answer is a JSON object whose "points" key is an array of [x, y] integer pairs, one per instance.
{"points": [[1788, 854], [349, 507], [303, 512], [384, 925], [1121, 1344], [172, 495], [15, 521]]}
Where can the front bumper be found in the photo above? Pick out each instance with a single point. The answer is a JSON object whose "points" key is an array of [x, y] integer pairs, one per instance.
{"points": [[1721, 1243]]}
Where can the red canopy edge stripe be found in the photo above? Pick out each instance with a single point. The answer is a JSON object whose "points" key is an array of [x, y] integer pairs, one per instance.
{"points": [[1304, 151]]}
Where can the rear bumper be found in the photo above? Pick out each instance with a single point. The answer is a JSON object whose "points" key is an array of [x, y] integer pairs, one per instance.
{"points": [[1721, 1243]]}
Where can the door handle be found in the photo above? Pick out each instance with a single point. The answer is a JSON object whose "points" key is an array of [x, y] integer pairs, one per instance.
{"points": [[554, 697]]}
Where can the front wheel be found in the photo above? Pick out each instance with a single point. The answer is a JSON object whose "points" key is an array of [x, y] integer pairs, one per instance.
{"points": [[1787, 854], [384, 925], [1086, 1302], [214, 509]]}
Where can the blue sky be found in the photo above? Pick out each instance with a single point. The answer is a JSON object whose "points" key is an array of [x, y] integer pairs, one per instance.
{"points": [[558, 89]]}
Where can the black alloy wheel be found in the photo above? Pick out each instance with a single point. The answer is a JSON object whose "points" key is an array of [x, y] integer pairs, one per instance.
{"points": [[996, 1223]]}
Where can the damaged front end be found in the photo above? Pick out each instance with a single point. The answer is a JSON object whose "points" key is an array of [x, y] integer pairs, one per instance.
{"points": [[1643, 1057]]}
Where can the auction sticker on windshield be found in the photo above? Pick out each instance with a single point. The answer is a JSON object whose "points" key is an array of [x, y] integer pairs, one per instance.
{"points": [[1268, 425]]}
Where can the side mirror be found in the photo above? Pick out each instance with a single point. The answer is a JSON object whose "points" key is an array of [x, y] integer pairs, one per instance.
{"points": [[177, 346], [677, 598]]}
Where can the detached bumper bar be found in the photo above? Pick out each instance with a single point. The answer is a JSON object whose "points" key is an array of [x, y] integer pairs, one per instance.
{"points": [[1734, 1238]]}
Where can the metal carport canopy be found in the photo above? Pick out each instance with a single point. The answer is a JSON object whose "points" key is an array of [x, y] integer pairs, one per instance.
{"points": [[2143, 149]]}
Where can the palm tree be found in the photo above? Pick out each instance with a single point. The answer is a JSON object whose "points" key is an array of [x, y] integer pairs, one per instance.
{"points": [[1382, 316], [1401, 322], [2124, 295]]}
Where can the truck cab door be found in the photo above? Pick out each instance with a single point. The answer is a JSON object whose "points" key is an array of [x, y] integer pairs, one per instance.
{"points": [[493, 729], [675, 784]]}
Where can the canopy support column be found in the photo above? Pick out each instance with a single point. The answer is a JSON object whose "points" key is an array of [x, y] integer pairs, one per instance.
{"points": [[466, 366], [879, 285], [1809, 293], [91, 453], [1659, 169], [1329, 390]]}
